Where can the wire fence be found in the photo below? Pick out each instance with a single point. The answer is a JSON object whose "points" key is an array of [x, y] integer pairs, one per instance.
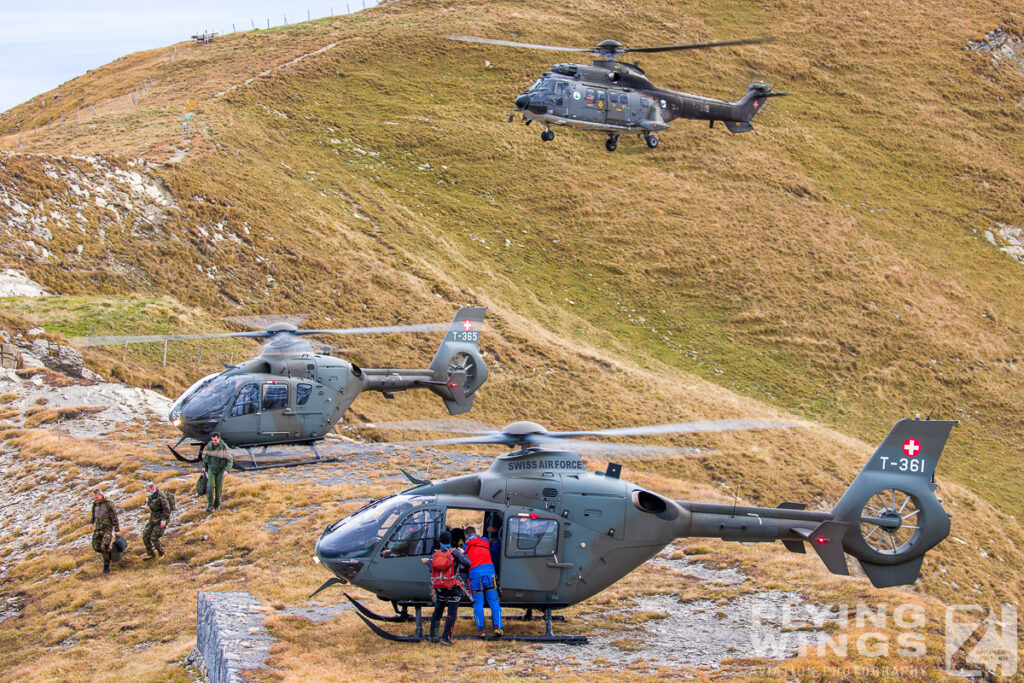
{"points": [[131, 100]]}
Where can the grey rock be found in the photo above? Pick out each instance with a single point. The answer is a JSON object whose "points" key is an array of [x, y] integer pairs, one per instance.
{"points": [[58, 357]]}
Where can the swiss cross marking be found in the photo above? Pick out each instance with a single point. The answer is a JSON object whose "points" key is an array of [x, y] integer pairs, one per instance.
{"points": [[911, 447], [467, 325]]}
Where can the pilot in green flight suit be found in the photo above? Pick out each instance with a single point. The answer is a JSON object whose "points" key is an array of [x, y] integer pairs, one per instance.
{"points": [[218, 461]]}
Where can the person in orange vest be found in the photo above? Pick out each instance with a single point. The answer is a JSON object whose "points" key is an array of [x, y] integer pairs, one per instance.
{"points": [[445, 586], [482, 581]]}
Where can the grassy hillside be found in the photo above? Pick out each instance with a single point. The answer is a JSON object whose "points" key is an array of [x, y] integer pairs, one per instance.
{"points": [[833, 267]]}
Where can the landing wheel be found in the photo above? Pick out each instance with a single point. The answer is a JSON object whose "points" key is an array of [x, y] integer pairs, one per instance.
{"points": [[547, 136], [611, 143], [652, 141]]}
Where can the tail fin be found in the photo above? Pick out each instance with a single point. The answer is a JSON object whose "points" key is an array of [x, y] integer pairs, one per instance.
{"points": [[750, 105], [890, 516], [458, 362]]}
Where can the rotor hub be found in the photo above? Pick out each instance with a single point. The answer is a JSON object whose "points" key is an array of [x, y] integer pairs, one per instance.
{"points": [[523, 428]]}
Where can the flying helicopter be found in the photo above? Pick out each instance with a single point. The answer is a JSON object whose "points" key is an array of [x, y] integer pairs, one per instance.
{"points": [[290, 394], [616, 97], [568, 534]]}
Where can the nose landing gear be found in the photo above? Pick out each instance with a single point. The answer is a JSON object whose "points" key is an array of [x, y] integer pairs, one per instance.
{"points": [[612, 142], [547, 135]]}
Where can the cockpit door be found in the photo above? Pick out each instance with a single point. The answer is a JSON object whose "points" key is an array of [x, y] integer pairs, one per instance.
{"points": [[560, 103], [530, 553], [243, 417], [399, 563]]}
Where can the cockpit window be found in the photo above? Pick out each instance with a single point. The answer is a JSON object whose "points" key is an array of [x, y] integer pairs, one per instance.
{"points": [[415, 535], [302, 393], [535, 85], [358, 535], [247, 401], [210, 400]]}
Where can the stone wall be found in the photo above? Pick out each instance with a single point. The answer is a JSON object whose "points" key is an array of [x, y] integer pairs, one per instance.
{"points": [[230, 634]]}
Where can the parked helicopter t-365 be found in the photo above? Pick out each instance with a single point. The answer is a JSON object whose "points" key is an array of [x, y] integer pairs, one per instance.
{"points": [[290, 394], [616, 97], [568, 534]]}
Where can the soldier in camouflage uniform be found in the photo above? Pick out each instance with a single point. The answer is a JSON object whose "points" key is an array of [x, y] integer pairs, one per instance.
{"points": [[159, 516], [218, 461], [104, 526]]}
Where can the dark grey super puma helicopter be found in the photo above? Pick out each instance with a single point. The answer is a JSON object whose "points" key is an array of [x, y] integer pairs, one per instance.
{"points": [[290, 394], [615, 97], [568, 534]]}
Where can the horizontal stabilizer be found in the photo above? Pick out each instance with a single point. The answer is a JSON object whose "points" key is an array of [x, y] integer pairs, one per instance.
{"points": [[792, 506], [794, 546], [827, 541]]}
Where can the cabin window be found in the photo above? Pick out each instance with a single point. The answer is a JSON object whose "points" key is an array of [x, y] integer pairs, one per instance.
{"points": [[275, 396], [590, 96], [560, 87], [417, 534], [302, 393], [644, 102], [247, 401], [613, 99], [531, 537]]}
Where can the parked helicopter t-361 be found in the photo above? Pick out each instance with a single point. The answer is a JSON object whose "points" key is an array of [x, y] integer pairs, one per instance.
{"points": [[290, 394], [568, 534], [616, 97]]}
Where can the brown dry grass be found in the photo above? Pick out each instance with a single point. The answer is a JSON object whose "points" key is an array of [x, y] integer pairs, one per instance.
{"points": [[39, 415]]}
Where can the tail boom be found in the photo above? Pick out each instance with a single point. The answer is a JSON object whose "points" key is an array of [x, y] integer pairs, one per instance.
{"points": [[889, 539], [456, 371]]}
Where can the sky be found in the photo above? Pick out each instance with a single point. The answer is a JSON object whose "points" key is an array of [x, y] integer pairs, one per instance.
{"points": [[44, 45]]}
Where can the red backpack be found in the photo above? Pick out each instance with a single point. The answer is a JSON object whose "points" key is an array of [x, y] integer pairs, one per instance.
{"points": [[442, 569]]}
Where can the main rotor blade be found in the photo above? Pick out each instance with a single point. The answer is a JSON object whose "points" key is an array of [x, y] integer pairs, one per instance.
{"points": [[262, 322], [680, 428], [510, 43], [698, 46], [452, 426], [492, 438], [615, 448], [387, 329], [141, 338]]}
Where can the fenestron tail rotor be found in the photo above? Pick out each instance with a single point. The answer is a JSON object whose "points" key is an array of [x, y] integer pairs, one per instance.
{"points": [[890, 522]]}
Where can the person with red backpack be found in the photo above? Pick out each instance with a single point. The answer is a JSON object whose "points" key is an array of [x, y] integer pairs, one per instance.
{"points": [[445, 586], [482, 581]]}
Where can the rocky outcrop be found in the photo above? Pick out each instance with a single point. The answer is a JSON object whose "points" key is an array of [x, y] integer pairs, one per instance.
{"points": [[58, 357], [230, 634]]}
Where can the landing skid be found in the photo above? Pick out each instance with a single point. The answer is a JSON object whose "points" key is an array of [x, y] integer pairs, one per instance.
{"points": [[403, 616], [254, 464], [257, 465], [548, 637]]}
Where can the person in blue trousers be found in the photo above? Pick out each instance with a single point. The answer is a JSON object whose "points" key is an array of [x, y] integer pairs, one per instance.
{"points": [[482, 581]]}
